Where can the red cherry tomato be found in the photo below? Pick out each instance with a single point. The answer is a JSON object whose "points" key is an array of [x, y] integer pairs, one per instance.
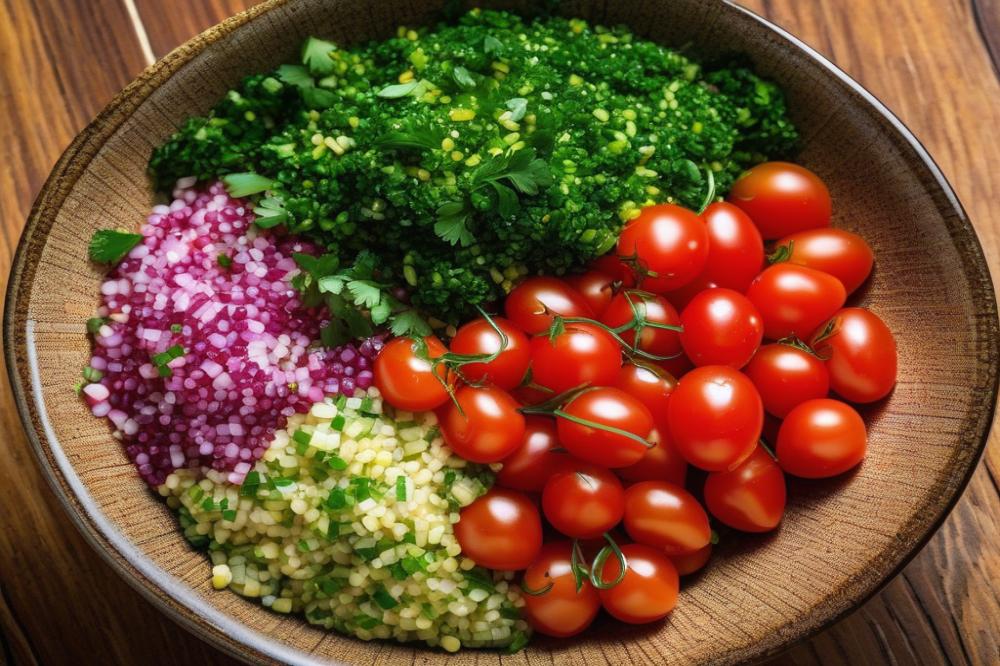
{"points": [[581, 354], [583, 501], [647, 593], [561, 610], [595, 287], [661, 463], [487, 428], [406, 380], [691, 562], [782, 198], [478, 337], [735, 248], [749, 498], [861, 355], [665, 516], [614, 268], [715, 416], [650, 385], [534, 461], [668, 240], [821, 438], [500, 530], [844, 255], [531, 395], [794, 300], [681, 297], [533, 304], [677, 367], [652, 309], [786, 376], [721, 327], [611, 408]]}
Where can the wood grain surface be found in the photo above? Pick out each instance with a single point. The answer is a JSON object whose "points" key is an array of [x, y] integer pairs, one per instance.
{"points": [[61, 61]]}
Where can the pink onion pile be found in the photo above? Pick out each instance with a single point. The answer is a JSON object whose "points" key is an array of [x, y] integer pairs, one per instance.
{"points": [[206, 348]]}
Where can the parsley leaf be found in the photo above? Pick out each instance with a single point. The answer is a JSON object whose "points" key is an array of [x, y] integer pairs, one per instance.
{"points": [[452, 222], [507, 201], [518, 106], [409, 322], [417, 138], [398, 90], [244, 184], [296, 75], [492, 46], [108, 246], [270, 212], [316, 56], [463, 78]]}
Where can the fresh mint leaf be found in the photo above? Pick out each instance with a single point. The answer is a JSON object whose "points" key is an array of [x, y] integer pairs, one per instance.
{"points": [[108, 246]]}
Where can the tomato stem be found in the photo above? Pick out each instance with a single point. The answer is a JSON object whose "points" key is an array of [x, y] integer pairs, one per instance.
{"points": [[600, 426], [578, 565], [536, 593], [781, 253], [710, 192], [597, 569]]}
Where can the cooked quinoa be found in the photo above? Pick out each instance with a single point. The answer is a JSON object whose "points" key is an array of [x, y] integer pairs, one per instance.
{"points": [[347, 519]]}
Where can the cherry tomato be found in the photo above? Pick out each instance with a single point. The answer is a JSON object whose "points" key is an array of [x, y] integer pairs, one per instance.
{"points": [[500, 530], [614, 268], [668, 240], [611, 408], [534, 461], [688, 563], [681, 297], [735, 249], [721, 327], [821, 438], [844, 255], [406, 380], [591, 547], [715, 416], [861, 355], [531, 394], [661, 463], [484, 426], [782, 198], [652, 309], [786, 376], [650, 385], [478, 337], [595, 287], [533, 304], [561, 610], [794, 300], [677, 367], [665, 516], [749, 498], [581, 354], [583, 501], [647, 593]]}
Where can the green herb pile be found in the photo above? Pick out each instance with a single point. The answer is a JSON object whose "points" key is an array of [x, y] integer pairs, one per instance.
{"points": [[467, 155]]}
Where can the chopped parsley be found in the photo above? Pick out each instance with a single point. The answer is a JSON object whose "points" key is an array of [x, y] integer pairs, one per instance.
{"points": [[108, 246]]}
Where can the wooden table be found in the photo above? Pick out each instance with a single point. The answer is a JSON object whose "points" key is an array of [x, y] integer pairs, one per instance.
{"points": [[62, 60]]}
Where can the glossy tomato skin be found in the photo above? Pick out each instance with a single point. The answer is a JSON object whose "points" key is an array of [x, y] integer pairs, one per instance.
{"points": [[691, 562], [596, 288], [581, 354], [487, 429], [669, 240], [478, 337], [860, 353], [534, 461], [500, 530], [681, 297], [677, 367], [715, 417], [666, 517], [735, 248], [655, 310], [407, 381], [786, 376], [583, 501], [751, 497], [721, 327], [615, 268], [649, 384], [649, 590], [794, 300], [609, 407], [782, 198], [533, 304], [562, 611], [821, 438], [841, 253], [661, 463]]}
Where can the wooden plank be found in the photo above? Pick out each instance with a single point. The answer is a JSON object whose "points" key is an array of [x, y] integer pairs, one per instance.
{"points": [[169, 28]]}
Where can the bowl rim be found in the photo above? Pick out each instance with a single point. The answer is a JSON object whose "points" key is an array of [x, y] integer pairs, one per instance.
{"points": [[236, 639]]}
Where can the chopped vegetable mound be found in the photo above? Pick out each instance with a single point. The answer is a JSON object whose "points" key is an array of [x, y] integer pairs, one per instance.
{"points": [[467, 155], [348, 519]]}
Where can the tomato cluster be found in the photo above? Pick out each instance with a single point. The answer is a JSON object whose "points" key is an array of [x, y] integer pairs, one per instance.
{"points": [[574, 392]]}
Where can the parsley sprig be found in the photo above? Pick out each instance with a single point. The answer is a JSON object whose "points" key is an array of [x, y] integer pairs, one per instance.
{"points": [[357, 299]]}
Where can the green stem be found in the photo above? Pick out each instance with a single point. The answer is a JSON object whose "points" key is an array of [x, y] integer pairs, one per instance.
{"points": [[710, 194], [597, 570], [606, 428]]}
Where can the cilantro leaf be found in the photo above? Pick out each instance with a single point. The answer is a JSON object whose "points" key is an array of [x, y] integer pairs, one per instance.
{"points": [[318, 98], [415, 138], [296, 75], [492, 46], [463, 78], [507, 201], [316, 56], [244, 184], [108, 246], [398, 90], [270, 212], [409, 322], [518, 106], [452, 222], [365, 292]]}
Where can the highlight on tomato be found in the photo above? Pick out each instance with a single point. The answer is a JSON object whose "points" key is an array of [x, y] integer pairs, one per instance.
{"points": [[605, 426], [782, 198], [648, 590], [750, 497], [668, 243], [500, 530], [536, 459], [841, 253], [666, 517], [583, 501], [821, 438], [596, 288], [554, 605], [735, 248], [794, 300], [496, 337], [786, 375], [721, 327], [648, 383], [406, 376], [860, 353], [534, 303], [482, 424]]}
